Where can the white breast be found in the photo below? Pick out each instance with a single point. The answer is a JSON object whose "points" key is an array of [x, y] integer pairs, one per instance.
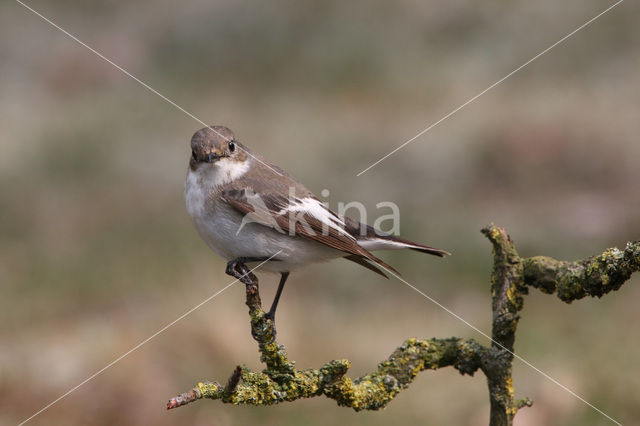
{"points": [[218, 224], [215, 221]]}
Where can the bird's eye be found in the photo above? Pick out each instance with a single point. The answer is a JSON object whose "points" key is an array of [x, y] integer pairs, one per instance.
{"points": [[193, 155], [232, 146]]}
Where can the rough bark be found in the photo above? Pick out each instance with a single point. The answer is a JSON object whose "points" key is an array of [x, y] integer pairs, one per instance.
{"points": [[511, 277]]}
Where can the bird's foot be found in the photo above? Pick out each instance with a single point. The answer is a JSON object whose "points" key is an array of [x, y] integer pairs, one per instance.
{"points": [[237, 269]]}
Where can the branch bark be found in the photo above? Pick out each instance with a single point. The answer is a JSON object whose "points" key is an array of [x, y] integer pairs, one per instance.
{"points": [[511, 277], [507, 288]]}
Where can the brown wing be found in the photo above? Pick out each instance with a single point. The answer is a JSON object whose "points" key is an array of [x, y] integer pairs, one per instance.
{"points": [[274, 211]]}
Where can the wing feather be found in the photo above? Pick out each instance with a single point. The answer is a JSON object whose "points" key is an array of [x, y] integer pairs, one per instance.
{"points": [[306, 217]]}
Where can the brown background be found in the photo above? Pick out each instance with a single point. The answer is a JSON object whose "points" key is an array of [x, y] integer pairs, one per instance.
{"points": [[97, 251]]}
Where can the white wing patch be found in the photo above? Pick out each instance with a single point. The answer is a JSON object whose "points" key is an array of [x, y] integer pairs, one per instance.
{"points": [[373, 244], [316, 209]]}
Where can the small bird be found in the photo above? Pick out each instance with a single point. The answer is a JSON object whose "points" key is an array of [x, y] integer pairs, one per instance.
{"points": [[247, 210]]}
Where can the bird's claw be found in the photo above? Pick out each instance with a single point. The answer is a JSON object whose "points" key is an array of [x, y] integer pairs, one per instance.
{"points": [[237, 269]]}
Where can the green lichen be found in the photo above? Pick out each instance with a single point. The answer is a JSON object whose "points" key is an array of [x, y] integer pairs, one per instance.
{"points": [[494, 233], [541, 272], [514, 297], [211, 390], [369, 392], [570, 288], [255, 389], [594, 277]]}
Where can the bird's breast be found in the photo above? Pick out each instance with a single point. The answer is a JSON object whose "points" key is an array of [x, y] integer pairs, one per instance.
{"points": [[212, 220]]}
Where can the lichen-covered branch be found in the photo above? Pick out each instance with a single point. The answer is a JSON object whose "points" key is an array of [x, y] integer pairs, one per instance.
{"points": [[594, 277], [507, 288], [511, 277], [280, 381]]}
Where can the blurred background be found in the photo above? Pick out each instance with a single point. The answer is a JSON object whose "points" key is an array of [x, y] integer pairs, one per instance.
{"points": [[97, 251]]}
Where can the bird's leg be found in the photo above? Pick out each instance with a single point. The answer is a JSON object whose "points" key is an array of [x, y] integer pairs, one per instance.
{"points": [[272, 311]]}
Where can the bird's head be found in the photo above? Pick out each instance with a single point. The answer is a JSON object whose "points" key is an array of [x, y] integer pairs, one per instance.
{"points": [[213, 144]]}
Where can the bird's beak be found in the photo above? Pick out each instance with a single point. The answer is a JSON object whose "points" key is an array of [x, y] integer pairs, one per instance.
{"points": [[214, 156]]}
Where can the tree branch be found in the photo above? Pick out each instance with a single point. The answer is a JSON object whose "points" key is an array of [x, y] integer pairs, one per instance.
{"points": [[507, 288], [281, 381], [511, 276], [593, 277]]}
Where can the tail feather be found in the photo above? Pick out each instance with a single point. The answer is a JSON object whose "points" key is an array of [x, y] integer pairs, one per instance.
{"points": [[431, 250], [389, 242], [420, 247], [370, 239]]}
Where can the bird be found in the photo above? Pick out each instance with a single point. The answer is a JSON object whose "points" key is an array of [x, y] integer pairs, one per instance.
{"points": [[249, 211]]}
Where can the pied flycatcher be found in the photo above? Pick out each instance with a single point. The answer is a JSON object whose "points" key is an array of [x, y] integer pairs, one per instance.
{"points": [[247, 210]]}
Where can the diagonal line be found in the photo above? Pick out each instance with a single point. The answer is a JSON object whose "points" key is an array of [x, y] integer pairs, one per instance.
{"points": [[490, 87], [440, 305], [142, 343], [145, 85]]}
